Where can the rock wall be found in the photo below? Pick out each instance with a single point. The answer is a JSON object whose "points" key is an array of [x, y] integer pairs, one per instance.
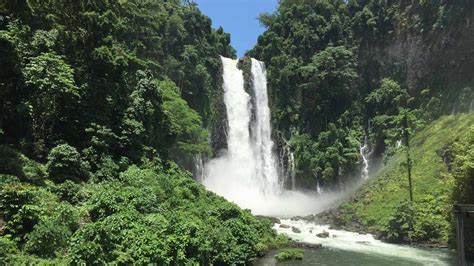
{"points": [[218, 121]]}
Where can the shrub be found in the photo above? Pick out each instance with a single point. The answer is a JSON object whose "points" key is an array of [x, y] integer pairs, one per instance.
{"points": [[423, 220], [70, 192], [16, 164], [47, 237], [64, 163], [400, 225], [17, 207], [7, 247], [290, 254], [107, 169]]}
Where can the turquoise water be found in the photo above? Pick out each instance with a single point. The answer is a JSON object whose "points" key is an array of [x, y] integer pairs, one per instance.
{"points": [[331, 256], [350, 248]]}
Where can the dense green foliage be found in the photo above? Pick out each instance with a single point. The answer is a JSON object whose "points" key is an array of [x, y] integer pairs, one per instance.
{"points": [[463, 173], [342, 70], [145, 215], [120, 80], [100, 101]]}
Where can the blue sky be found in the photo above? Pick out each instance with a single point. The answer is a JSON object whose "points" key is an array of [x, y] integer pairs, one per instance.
{"points": [[239, 18]]}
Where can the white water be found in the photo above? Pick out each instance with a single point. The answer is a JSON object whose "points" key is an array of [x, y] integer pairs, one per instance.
{"points": [[198, 167], [319, 190], [398, 144], [265, 163], [233, 174], [362, 243], [291, 163], [246, 173], [287, 166], [364, 153]]}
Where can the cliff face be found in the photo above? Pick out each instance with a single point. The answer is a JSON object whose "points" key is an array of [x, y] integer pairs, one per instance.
{"points": [[218, 117], [422, 51]]}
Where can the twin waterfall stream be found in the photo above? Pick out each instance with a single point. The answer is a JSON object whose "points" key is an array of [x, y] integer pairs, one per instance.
{"points": [[247, 173]]}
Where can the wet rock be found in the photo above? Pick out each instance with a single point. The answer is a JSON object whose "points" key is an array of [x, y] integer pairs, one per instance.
{"points": [[323, 234], [284, 226], [310, 218], [363, 242], [297, 218], [295, 230], [271, 219], [304, 245]]}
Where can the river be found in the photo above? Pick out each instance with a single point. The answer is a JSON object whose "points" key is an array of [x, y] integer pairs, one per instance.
{"points": [[349, 248]]}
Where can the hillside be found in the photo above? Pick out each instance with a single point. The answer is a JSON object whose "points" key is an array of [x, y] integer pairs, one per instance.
{"points": [[103, 107], [381, 206]]}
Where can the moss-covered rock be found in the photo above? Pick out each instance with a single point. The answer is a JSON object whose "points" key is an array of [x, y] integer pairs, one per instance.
{"points": [[289, 254]]}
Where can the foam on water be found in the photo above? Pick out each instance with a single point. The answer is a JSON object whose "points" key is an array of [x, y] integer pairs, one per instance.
{"points": [[361, 243]]}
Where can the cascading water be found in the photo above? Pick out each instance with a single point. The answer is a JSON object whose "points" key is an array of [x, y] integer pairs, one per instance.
{"points": [[236, 168], [364, 153], [291, 164], [287, 166], [247, 172], [198, 167], [266, 170], [319, 190]]}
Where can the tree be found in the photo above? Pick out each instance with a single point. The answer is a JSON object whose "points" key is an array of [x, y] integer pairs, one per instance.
{"points": [[54, 100], [65, 163]]}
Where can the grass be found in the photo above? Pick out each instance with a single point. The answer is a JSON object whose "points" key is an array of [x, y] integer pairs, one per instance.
{"points": [[376, 202]]}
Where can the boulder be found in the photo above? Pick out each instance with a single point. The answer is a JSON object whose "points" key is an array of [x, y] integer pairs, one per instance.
{"points": [[323, 234], [284, 226], [295, 230], [271, 219], [295, 244]]}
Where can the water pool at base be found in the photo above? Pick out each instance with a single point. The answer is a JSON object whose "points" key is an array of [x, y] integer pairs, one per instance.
{"points": [[350, 248], [331, 256]]}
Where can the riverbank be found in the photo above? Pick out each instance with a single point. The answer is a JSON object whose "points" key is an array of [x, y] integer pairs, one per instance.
{"points": [[381, 206], [340, 247]]}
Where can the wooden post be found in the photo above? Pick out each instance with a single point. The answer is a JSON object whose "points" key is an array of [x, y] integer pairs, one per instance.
{"points": [[460, 235], [462, 211]]}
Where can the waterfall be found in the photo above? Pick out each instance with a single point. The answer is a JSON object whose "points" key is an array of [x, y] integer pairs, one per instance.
{"points": [[247, 171], [265, 162], [287, 166], [398, 144], [364, 153], [198, 167], [291, 166]]}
